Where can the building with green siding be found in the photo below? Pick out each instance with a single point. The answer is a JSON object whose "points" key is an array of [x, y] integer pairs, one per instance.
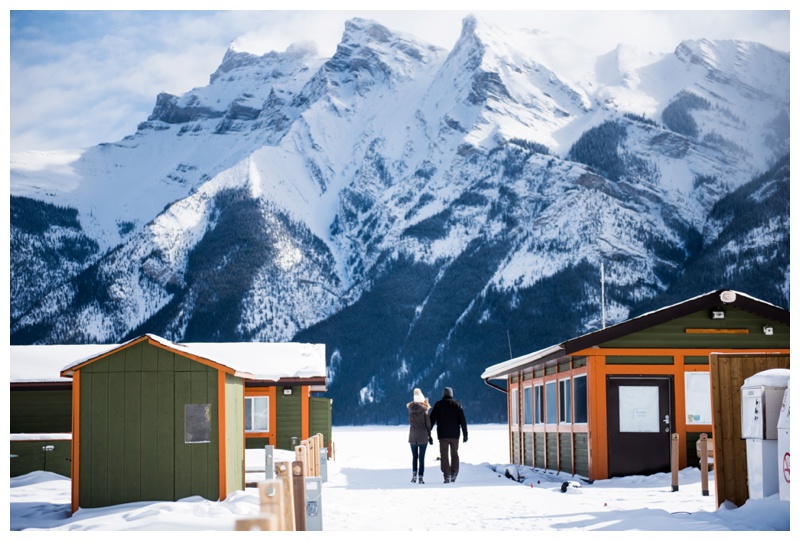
{"points": [[608, 403], [153, 419]]}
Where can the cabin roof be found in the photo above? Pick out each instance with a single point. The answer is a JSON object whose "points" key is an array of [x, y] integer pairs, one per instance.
{"points": [[707, 301], [265, 361]]}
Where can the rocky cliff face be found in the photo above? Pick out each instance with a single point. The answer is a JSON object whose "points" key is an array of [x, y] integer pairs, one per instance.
{"points": [[420, 211]]}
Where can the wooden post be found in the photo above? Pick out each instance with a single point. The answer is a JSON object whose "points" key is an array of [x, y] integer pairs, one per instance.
{"points": [[703, 445], [674, 461], [271, 496], [256, 523], [301, 454], [313, 458], [284, 473], [299, 486]]}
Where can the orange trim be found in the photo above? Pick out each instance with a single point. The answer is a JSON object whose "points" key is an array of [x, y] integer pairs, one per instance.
{"points": [[271, 393], [717, 331], [201, 360], [305, 399], [76, 436], [223, 443]]}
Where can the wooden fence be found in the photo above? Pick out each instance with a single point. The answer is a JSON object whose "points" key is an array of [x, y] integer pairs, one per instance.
{"points": [[283, 499], [728, 372]]}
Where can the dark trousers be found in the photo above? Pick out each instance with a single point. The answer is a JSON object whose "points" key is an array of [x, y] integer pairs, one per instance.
{"points": [[448, 450], [418, 458]]}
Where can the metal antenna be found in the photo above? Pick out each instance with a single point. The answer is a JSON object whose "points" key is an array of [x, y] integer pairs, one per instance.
{"points": [[603, 293], [508, 336]]}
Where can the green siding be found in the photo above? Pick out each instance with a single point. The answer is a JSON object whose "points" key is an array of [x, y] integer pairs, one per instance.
{"points": [[565, 452], [320, 413], [234, 433], [514, 446], [132, 429], [527, 460], [552, 451], [672, 334], [40, 411], [29, 456], [540, 450], [695, 359], [257, 443], [582, 454], [288, 418]]}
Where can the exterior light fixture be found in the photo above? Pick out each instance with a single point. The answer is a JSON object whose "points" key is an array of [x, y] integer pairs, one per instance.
{"points": [[717, 314], [768, 330]]}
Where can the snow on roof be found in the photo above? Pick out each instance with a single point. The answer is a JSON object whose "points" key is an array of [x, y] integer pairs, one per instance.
{"points": [[264, 360], [43, 364]]}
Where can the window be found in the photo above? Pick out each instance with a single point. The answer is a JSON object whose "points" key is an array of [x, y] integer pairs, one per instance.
{"points": [[528, 405], [550, 396], [698, 398], [514, 406], [538, 400], [197, 423], [579, 399], [564, 403], [256, 414]]}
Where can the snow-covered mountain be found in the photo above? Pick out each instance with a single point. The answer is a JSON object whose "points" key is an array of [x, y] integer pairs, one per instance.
{"points": [[419, 211]]}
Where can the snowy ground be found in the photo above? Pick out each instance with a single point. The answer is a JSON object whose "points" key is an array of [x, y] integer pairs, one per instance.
{"points": [[368, 488]]}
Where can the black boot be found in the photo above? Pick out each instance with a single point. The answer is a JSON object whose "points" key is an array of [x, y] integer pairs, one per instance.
{"points": [[420, 481], [414, 478]]}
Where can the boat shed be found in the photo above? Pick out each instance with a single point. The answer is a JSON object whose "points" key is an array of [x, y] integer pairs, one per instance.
{"points": [[610, 402], [153, 419]]}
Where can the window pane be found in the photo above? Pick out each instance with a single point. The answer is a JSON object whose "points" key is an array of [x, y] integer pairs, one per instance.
{"points": [[261, 413], [528, 405], [514, 405], [539, 411], [197, 423], [248, 414], [564, 401], [256, 414], [579, 387], [550, 396]]}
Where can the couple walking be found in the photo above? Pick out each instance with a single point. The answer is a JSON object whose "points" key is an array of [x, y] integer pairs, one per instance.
{"points": [[448, 416]]}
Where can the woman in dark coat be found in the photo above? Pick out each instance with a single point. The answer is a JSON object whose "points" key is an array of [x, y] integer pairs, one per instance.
{"points": [[419, 434]]}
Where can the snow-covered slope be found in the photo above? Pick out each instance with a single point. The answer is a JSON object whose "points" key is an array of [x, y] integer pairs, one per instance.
{"points": [[406, 205]]}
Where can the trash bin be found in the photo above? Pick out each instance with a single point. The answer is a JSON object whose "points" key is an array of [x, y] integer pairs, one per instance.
{"points": [[783, 447], [762, 396]]}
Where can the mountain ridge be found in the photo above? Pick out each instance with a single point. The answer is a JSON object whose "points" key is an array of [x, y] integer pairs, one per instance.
{"points": [[440, 203]]}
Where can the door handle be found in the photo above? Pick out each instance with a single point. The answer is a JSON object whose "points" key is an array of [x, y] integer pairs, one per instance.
{"points": [[666, 422]]}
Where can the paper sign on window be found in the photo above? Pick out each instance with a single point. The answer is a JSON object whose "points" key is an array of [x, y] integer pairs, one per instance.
{"points": [[698, 398], [638, 409]]}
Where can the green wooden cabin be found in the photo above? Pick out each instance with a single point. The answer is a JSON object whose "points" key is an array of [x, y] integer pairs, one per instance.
{"points": [[155, 422], [253, 394]]}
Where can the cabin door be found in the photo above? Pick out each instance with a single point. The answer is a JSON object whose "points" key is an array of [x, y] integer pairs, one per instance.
{"points": [[640, 424]]}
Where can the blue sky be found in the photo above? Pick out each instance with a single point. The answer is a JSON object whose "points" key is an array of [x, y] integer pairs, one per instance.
{"points": [[79, 78]]}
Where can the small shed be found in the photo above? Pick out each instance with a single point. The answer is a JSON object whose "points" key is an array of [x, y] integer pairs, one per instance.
{"points": [[239, 395], [607, 403], [153, 420]]}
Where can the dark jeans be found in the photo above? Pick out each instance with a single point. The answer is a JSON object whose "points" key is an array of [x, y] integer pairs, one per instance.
{"points": [[448, 450], [418, 457]]}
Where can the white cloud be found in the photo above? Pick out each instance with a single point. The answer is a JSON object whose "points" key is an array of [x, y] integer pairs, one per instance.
{"points": [[71, 89]]}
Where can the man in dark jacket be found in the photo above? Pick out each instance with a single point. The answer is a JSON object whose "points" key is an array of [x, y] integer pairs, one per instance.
{"points": [[448, 417]]}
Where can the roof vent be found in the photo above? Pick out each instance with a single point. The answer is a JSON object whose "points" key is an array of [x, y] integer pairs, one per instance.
{"points": [[727, 296]]}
